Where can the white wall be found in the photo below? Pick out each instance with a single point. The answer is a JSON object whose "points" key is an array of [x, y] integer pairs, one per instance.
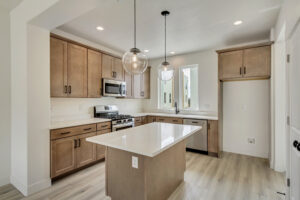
{"points": [[5, 96], [207, 79], [246, 108], [30, 95]]}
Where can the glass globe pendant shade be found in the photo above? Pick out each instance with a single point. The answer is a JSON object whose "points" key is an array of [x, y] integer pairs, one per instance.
{"points": [[135, 62], [165, 71]]}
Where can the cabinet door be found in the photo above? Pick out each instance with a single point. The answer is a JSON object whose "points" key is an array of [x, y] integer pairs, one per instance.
{"points": [[85, 151], [257, 62], [162, 119], [100, 152], [230, 64], [58, 67], [128, 80], [117, 69], [62, 156], [212, 136], [146, 84], [107, 63], [94, 73], [137, 86], [151, 119], [77, 71]]}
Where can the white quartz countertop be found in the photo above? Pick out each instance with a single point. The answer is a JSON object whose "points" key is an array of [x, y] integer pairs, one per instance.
{"points": [[148, 140], [79, 122], [185, 116]]}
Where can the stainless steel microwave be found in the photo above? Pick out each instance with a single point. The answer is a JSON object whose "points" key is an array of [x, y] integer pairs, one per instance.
{"points": [[113, 88]]}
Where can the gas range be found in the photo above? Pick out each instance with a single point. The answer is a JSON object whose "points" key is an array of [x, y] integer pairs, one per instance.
{"points": [[119, 121]]}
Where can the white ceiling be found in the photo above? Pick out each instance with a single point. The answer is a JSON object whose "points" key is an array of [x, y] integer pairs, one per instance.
{"points": [[9, 4], [192, 25]]}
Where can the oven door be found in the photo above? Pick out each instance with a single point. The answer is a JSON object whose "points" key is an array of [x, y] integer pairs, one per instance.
{"points": [[114, 88], [122, 126]]}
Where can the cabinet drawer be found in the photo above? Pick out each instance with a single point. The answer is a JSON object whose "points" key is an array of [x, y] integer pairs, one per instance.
{"points": [[161, 119], [103, 126], [175, 120], [67, 132], [138, 120]]}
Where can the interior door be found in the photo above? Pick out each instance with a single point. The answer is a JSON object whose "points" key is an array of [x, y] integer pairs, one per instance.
{"points": [[294, 142], [77, 71]]}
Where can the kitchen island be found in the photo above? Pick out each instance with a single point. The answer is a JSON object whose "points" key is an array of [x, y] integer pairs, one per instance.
{"points": [[145, 162]]}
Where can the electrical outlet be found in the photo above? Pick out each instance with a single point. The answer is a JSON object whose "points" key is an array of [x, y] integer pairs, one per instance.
{"points": [[251, 140], [135, 162]]}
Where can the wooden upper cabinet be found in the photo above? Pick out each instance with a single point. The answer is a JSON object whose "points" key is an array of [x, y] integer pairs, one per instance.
{"points": [[137, 86], [112, 68], [63, 157], [230, 64], [86, 151], [107, 63], [94, 73], [117, 69], [251, 62], [146, 84], [77, 71], [257, 62], [128, 80], [58, 68]]}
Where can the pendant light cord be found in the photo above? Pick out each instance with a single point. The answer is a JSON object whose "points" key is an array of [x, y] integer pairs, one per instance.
{"points": [[134, 23], [165, 38]]}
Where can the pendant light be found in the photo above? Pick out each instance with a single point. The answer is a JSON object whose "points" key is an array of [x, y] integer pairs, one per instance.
{"points": [[134, 61], [165, 70]]}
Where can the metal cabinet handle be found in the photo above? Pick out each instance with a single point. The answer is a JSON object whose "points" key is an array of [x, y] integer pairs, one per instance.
{"points": [[66, 89], [75, 144], [70, 89], [86, 129], [79, 142], [195, 122], [103, 126], [240, 71], [244, 70], [64, 133]]}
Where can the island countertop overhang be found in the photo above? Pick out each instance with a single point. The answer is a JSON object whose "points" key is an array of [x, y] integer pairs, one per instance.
{"points": [[147, 140]]}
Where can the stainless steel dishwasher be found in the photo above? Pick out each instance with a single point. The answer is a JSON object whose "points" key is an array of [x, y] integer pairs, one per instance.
{"points": [[198, 141]]}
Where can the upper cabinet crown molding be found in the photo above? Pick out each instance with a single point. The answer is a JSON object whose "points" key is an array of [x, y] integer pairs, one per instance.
{"points": [[244, 63], [245, 47]]}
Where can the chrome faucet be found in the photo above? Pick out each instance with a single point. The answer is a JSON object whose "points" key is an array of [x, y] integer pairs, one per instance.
{"points": [[176, 108]]}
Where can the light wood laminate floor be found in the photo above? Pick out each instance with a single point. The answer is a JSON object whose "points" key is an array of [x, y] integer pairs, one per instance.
{"points": [[206, 178]]}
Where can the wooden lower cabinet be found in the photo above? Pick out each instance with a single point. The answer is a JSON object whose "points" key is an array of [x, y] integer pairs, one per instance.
{"points": [[63, 156], [151, 119], [85, 151], [100, 149], [212, 137], [172, 120]]}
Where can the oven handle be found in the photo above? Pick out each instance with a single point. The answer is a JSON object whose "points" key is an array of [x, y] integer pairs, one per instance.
{"points": [[123, 125]]}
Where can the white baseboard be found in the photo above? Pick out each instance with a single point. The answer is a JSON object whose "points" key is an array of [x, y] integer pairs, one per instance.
{"points": [[4, 181], [21, 187], [38, 186], [31, 189]]}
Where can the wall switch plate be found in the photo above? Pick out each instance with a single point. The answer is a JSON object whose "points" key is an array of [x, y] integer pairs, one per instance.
{"points": [[135, 162], [251, 140]]}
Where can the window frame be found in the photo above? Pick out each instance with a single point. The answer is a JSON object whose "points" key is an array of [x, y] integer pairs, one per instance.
{"points": [[180, 88]]}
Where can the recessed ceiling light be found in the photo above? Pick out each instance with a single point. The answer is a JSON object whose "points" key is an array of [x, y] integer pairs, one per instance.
{"points": [[99, 28], [146, 50], [238, 22], [172, 52]]}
